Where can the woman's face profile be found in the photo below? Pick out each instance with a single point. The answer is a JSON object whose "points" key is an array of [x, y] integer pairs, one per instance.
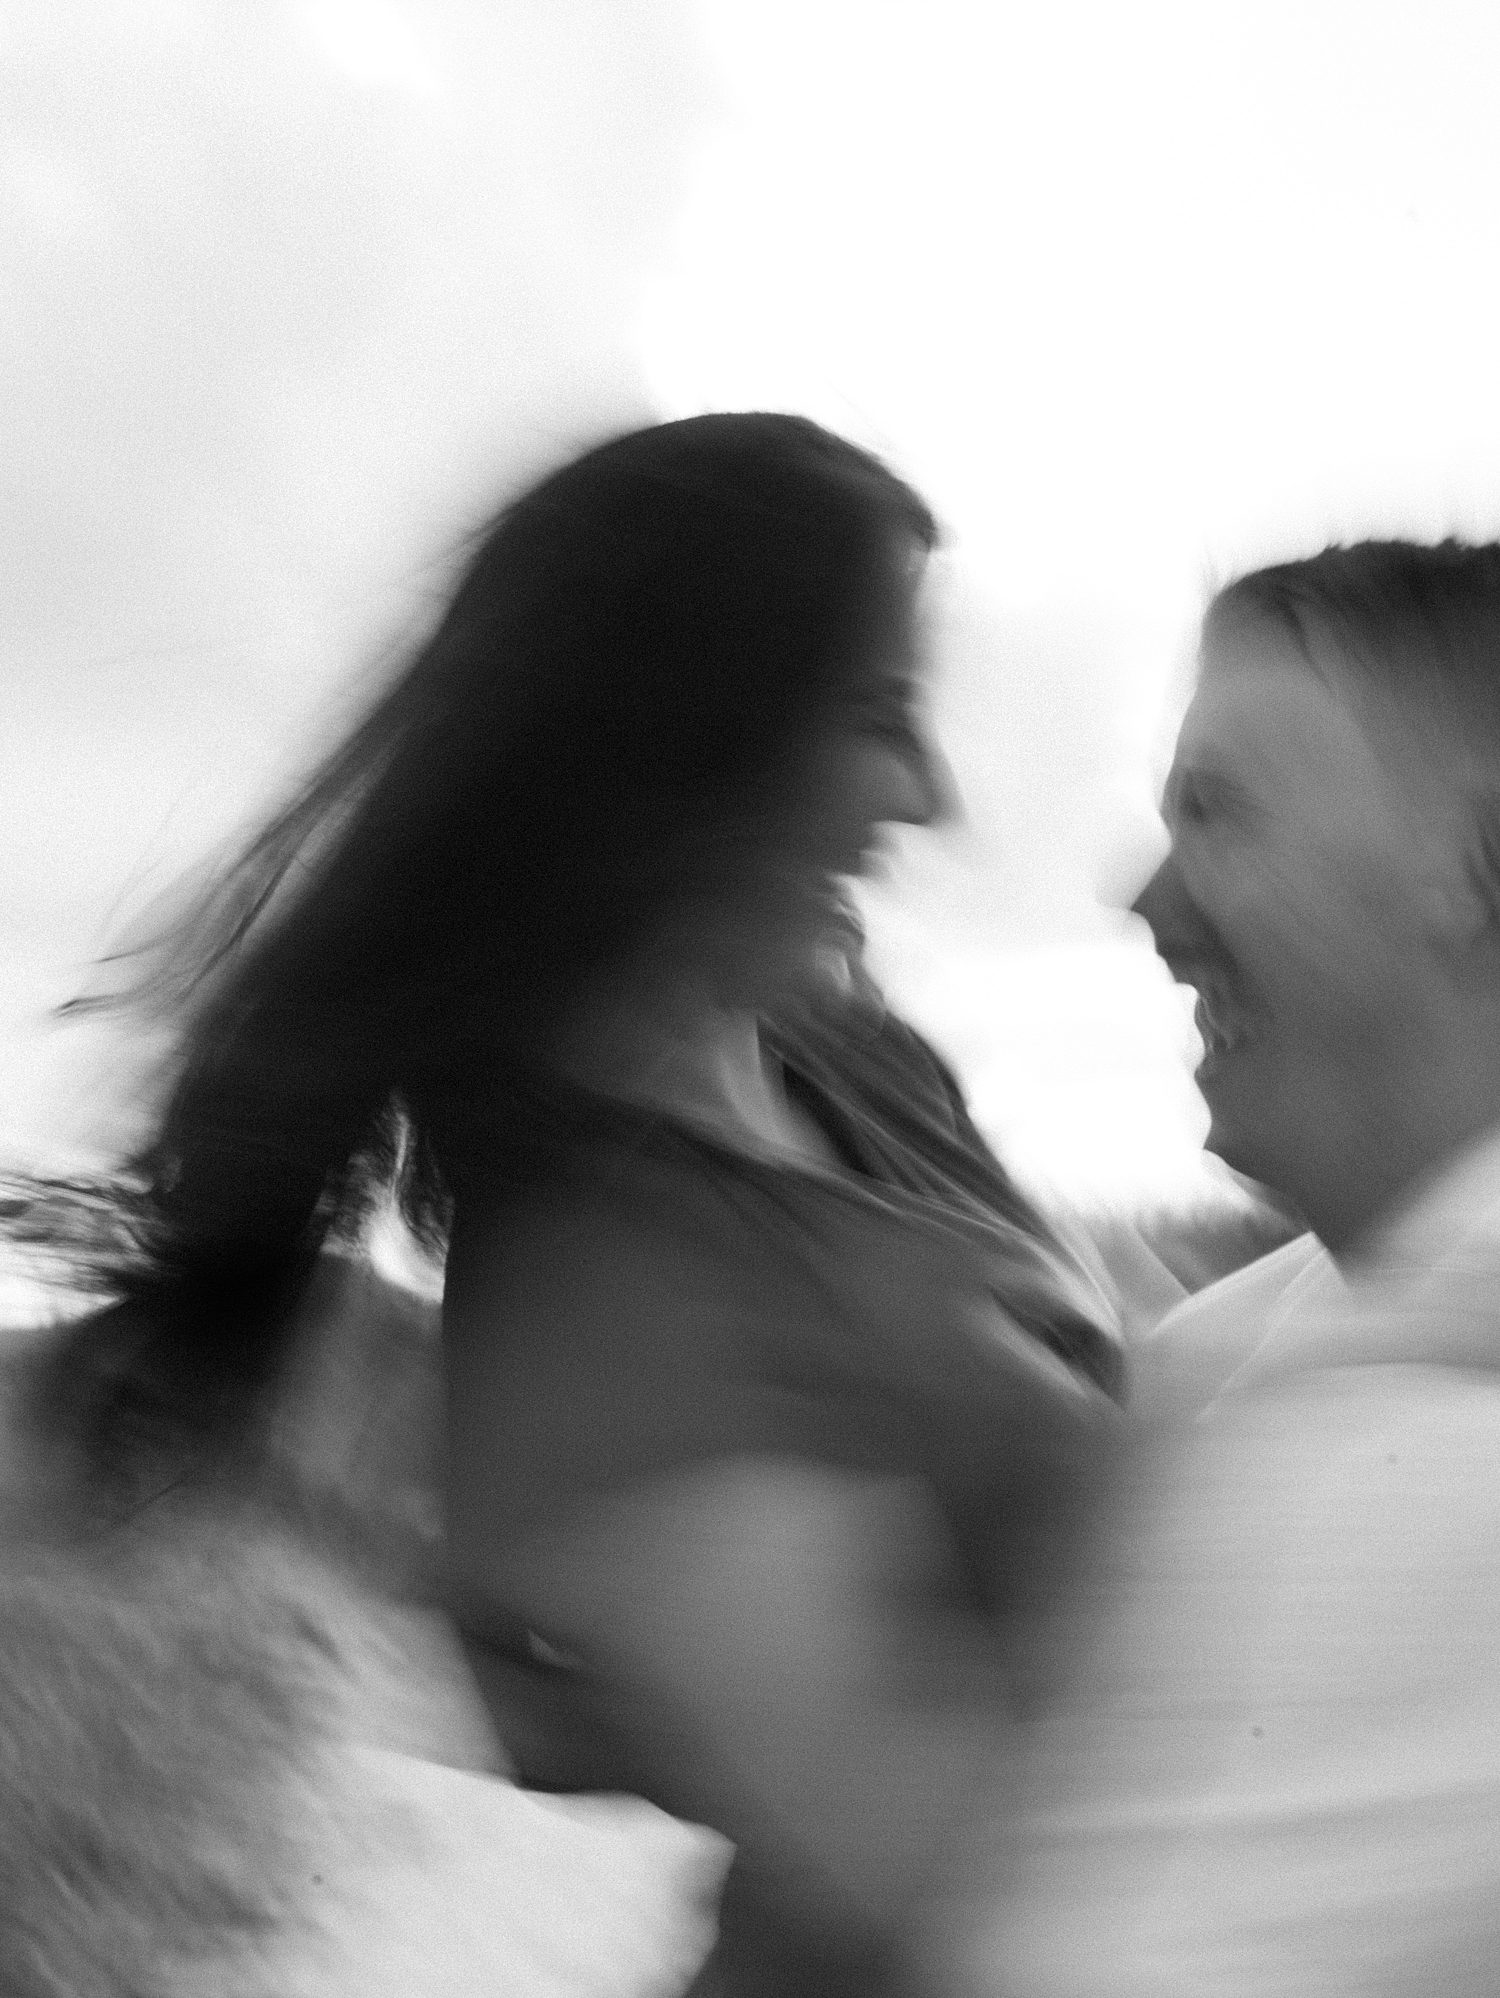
{"points": [[868, 764]]}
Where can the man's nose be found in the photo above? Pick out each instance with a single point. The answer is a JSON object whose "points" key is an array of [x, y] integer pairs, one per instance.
{"points": [[1167, 909], [1150, 898], [1136, 847]]}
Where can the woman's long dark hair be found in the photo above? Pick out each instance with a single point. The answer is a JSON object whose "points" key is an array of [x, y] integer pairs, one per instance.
{"points": [[635, 649]]}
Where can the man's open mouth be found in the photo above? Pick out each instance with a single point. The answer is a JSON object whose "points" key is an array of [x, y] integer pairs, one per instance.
{"points": [[1221, 1016]]}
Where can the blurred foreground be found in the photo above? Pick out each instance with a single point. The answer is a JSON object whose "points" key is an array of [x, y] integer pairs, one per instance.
{"points": [[241, 1758], [240, 1754]]}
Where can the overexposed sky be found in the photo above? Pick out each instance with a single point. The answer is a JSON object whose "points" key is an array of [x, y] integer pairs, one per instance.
{"points": [[1138, 295]]}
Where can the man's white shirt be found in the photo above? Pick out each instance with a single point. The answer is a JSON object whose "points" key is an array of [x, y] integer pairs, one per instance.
{"points": [[1277, 1771]]}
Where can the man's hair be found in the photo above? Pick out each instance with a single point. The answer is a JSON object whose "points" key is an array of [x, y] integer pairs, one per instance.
{"points": [[1417, 623]]}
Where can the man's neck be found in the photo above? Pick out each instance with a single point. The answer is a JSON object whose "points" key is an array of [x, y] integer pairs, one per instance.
{"points": [[1365, 1191]]}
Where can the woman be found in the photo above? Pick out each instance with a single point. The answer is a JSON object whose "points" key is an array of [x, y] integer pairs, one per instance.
{"points": [[769, 1395]]}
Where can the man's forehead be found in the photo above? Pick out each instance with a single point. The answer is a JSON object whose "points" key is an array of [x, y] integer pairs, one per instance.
{"points": [[1259, 704], [1280, 721]]}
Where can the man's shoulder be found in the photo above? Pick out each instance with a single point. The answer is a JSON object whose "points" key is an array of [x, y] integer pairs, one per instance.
{"points": [[1186, 1359]]}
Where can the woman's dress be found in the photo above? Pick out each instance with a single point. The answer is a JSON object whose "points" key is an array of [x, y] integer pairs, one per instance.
{"points": [[670, 1302]]}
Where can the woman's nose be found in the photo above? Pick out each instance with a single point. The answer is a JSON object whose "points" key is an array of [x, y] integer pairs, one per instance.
{"points": [[937, 800]]}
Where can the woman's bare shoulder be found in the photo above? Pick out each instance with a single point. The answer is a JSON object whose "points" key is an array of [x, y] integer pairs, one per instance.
{"points": [[588, 1263], [592, 1344]]}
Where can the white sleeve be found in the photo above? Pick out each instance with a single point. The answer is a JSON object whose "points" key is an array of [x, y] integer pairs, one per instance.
{"points": [[1281, 1776]]}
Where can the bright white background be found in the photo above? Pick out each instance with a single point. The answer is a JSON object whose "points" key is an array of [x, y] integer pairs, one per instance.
{"points": [[291, 290]]}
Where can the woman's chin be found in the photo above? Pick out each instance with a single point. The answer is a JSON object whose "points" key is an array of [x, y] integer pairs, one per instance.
{"points": [[824, 970], [833, 972]]}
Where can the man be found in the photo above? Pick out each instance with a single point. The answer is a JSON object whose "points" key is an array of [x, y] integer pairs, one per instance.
{"points": [[1278, 1771]]}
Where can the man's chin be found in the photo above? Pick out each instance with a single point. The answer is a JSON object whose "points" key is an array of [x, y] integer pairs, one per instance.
{"points": [[1257, 1098], [1253, 1166], [1235, 1132], [1251, 1183]]}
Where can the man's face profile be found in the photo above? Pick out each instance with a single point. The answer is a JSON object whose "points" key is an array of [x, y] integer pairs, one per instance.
{"points": [[1294, 899]]}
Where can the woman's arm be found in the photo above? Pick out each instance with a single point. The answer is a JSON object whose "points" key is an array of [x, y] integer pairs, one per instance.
{"points": [[758, 1637], [781, 1637]]}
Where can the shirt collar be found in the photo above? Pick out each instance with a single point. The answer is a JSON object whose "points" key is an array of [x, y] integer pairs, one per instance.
{"points": [[1393, 1303]]}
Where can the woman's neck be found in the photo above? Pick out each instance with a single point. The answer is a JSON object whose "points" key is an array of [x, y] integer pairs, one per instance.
{"points": [[702, 1063]]}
